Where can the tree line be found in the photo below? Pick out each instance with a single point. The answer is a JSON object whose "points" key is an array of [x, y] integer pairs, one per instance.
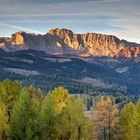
{"points": [[26, 113]]}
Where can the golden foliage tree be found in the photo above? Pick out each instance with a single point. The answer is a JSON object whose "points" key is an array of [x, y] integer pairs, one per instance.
{"points": [[3, 121], [63, 117], [136, 122], [105, 115]]}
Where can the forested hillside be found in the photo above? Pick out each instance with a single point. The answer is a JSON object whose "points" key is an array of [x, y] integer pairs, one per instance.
{"points": [[27, 113], [93, 76]]}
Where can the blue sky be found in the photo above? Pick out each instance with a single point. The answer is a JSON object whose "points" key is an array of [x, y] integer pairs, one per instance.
{"points": [[117, 17]]}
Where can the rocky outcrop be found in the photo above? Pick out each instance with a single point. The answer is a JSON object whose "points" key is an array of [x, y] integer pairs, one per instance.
{"points": [[63, 41], [17, 39]]}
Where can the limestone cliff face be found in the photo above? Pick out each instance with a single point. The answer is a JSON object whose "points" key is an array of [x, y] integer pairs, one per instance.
{"points": [[63, 41]]}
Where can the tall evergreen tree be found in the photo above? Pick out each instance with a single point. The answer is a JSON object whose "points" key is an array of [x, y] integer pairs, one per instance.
{"points": [[136, 122], [24, 118], [72, 124], [9, 94], [48, 118], [63, 117], [81, 123], [4, 126], [126, 127], [52, 107]]}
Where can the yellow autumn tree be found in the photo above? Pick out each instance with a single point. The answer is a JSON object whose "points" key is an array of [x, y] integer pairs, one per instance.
{"points": [[63, 118], [52, 108], [61, 97], [4, 127], [105, 116]]}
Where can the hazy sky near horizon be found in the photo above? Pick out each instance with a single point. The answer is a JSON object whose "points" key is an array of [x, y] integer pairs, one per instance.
{"points": [[117, 17]]}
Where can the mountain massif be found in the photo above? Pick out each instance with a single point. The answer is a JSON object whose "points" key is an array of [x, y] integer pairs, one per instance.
{"points": [[83, 63], [63, 41]]}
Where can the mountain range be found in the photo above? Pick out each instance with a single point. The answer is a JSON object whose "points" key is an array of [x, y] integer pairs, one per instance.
{"points": [[89, 62], [63, 41]]}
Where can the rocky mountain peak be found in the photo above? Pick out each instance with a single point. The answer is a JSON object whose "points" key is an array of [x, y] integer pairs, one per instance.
{"points": [[17, 38], [62, 33], [63, 41]]}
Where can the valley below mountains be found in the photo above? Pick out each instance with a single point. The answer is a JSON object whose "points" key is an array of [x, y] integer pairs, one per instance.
{"points": [[83, 63]]}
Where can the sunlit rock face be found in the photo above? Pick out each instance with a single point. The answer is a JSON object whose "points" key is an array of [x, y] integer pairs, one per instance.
{"points": [[17, 39], [92, 44], [2, 45], [63, 41]]}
